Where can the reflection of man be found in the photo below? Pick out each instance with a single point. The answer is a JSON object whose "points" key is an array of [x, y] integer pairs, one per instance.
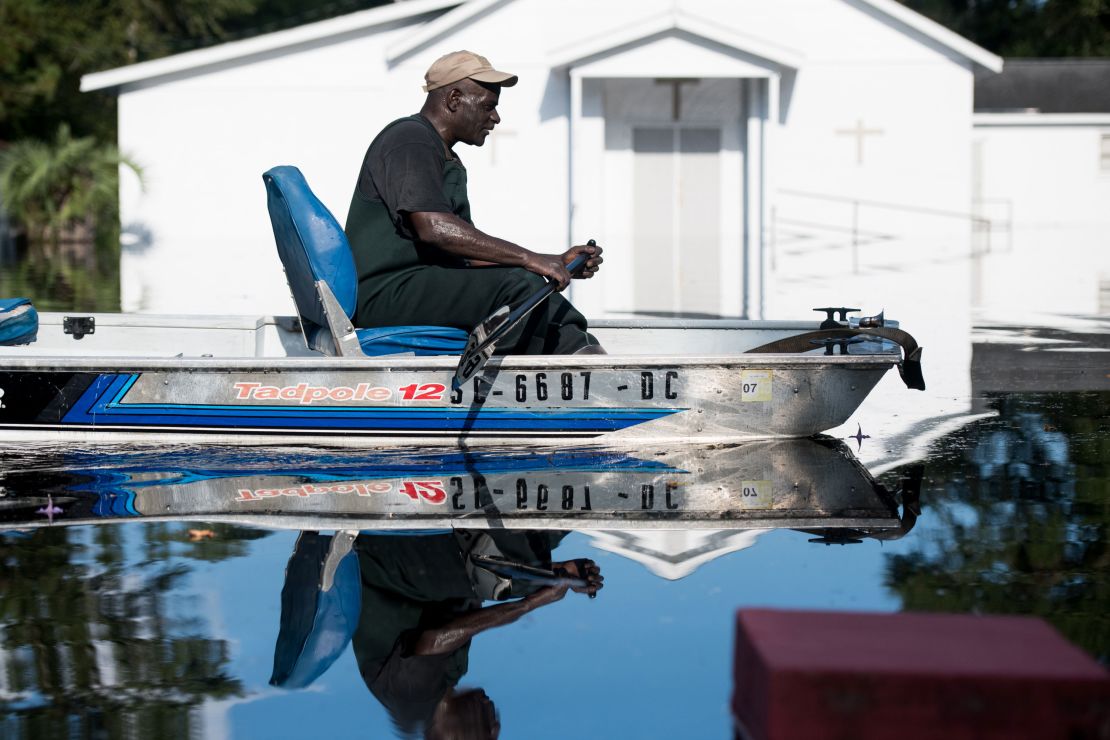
{"points": [[419, 258], [421, 606]]}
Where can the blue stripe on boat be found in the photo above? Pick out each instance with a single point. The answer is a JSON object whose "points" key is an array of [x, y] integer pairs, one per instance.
{"points": [[101, 404]]}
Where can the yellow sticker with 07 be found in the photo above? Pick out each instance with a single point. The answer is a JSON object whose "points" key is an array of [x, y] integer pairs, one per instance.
{"points": [[756, 494], [755, 385]]}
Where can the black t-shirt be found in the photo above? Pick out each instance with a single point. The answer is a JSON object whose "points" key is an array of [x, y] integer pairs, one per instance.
{"points": [[407, 169], [403, 168]]}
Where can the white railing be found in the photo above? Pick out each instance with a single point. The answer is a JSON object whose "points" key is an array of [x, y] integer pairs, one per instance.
{"points": [[982, 227]]}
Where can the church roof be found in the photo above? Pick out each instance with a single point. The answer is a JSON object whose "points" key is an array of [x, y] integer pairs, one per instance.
{"points": [[675, 20], [444, 17], [292, 38], [1047, 86]]}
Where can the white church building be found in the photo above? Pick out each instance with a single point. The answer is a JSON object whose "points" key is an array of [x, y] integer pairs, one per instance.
{"points": [[744, 158]]}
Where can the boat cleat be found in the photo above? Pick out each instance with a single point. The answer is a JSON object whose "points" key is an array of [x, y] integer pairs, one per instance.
{"points": [[830, 342], [832, 323], [837, 537]]}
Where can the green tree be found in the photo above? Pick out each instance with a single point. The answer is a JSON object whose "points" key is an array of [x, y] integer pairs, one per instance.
{"points": [[1018, 519], [48, 45], [1075, 28], [61, 192], [106, 644], [1026, 28]]}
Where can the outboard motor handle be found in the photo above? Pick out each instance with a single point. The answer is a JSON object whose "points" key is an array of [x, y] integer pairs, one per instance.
{"points": [[873, 322]]}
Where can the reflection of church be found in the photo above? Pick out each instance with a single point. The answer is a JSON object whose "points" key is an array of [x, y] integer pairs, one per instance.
{"points": [[674, 554]]}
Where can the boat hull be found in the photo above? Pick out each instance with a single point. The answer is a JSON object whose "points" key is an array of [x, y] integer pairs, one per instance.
{"points": [[406, 401]]}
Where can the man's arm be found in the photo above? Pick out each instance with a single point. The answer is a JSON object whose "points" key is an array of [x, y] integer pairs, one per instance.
{"points": [[456, 633], [453, 235]]}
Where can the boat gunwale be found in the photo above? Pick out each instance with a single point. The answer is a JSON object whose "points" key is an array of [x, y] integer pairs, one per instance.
{"points": [[47, 363], [727, 520], [252, 322]]}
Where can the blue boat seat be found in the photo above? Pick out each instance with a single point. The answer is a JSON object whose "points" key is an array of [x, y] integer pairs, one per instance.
{"points": [[321, 274], [19, 321]]}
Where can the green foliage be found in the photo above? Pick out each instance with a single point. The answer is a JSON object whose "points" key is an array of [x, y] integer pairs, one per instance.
{"points": [[1018, 519], [63, 196], [41, 60], [49, 44], [66, 597], [1075, 28], [1026, 28], [61, 186], [63, 193]]}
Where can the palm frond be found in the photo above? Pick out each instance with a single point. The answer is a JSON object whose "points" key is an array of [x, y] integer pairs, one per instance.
{"points": [[51, 187]]}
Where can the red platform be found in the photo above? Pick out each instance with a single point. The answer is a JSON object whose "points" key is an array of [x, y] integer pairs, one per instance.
{"points": [[908, 676]]}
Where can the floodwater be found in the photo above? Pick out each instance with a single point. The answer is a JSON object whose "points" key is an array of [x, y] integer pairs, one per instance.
{"points": [[990, 497]]}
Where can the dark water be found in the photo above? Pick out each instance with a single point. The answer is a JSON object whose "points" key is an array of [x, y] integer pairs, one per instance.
{"points": [[168, 629]]}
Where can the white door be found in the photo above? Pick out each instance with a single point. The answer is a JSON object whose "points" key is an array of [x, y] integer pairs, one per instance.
{"points": [[676, 209]]}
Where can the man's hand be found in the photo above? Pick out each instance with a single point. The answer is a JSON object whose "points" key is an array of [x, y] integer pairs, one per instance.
{"points": [[585, 569], [554, 266], [550, 266], [593, 261]]}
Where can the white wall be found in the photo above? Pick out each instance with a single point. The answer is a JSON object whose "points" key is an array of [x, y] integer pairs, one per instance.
{"points": [[1041, 181], [203, 239]]}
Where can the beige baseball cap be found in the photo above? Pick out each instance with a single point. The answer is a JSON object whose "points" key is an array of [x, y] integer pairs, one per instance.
{"points": [[459, 65]]}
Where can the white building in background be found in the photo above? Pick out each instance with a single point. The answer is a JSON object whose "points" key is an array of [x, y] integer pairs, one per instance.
{"points": [[1041, 179], [735, 157]]}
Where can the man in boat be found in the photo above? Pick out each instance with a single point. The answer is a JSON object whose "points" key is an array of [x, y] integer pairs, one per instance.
{"points": [[419, 257]]}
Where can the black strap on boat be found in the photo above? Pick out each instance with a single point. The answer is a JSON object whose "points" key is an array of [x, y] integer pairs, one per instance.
{"points": [[909, 368]]}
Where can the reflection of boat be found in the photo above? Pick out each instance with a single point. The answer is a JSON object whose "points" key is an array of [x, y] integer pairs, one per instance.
{"points": [[318, 378], [810, 484]]}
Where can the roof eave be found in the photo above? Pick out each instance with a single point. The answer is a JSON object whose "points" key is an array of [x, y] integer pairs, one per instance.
{"points": [[440, 27], [674, 21], [144, 71], [939, 33]]}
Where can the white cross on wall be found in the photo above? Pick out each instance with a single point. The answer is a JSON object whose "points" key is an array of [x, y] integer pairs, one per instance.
{"points": [[859, 132]]}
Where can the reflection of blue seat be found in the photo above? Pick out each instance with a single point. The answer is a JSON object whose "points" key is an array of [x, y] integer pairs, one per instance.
{"points": [[320, 605], [321, 274]]}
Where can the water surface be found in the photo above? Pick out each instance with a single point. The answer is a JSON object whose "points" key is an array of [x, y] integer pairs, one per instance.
{"points": [[124, 626]]}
